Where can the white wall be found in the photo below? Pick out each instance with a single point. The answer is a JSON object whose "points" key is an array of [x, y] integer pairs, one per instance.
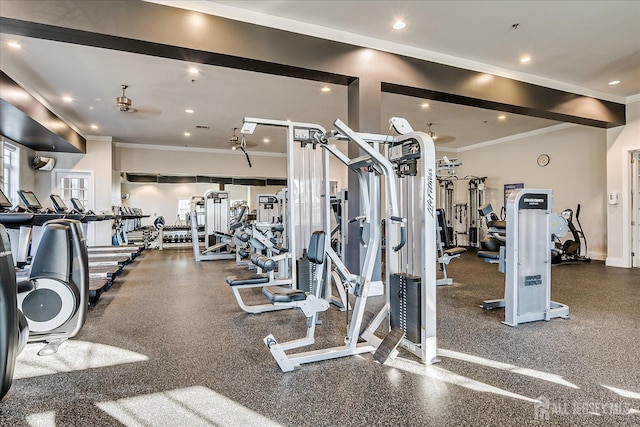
{"points": [[162, 199], [576, 174], [620, 141], [99, 161]]}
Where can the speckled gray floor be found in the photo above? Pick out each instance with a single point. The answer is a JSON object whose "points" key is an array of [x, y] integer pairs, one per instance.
{"points": [[194, 358]]}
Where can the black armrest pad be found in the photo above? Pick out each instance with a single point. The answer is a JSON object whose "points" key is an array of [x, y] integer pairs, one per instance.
{"points": [[489, 255]]}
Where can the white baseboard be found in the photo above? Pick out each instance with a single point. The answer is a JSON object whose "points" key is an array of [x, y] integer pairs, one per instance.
{"points": [[617, 262], [600, 256]]}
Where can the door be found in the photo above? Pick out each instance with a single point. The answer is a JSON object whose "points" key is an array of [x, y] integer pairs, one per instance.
{"points": [[635, 208]]}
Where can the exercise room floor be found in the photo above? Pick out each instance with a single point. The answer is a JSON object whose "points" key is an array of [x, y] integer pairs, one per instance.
{"points": [[168, 346]]}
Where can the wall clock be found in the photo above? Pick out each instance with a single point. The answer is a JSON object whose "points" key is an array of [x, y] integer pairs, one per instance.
{"points": [[543, 160]]}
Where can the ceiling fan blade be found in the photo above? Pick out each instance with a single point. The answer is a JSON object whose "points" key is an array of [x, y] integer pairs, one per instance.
{"points": [[445, 139]]}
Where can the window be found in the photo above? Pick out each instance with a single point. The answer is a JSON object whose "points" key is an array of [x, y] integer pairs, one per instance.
{"points": [[75, 186], [184, 205], [10, 171]]}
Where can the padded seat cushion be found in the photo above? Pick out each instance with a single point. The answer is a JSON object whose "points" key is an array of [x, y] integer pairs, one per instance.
{"points": [[498, 224], [280, 249], [455, 251], [280, 294], [489, 255], [254, 280]]}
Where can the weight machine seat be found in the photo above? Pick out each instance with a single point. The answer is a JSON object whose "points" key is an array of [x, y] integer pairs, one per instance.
{"points": [[280, 294], [254, 280], [489, 255], [455, 251], [280, 249], [223, 235], [496, 223]]}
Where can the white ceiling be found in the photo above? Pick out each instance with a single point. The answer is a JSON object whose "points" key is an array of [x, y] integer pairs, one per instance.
{"points": [[161, 89], [584, 44]]}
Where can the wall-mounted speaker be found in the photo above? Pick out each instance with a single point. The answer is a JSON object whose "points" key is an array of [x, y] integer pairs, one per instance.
{"points": [[43, 163]]}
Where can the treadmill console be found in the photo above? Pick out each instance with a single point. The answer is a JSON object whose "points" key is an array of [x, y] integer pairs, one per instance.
{"points": [[30, 201], [58, 203], [5, 203]]}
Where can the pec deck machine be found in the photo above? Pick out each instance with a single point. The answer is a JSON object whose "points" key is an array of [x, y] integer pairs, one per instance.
{"points": [[406, 165]]}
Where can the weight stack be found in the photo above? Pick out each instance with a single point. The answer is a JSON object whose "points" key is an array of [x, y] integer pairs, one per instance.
{"points": [[305, 273], [405, 305], [473, 236]]}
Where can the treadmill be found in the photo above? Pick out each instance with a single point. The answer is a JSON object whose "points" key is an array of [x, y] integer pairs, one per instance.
{"points": [[129, 250]]}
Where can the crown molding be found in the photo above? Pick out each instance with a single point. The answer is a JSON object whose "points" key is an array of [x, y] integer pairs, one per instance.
{"points": [[516, 137], [195, 149]]}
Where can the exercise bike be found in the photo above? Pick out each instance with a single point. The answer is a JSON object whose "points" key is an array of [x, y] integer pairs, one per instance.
{"points": [[571, 250]]}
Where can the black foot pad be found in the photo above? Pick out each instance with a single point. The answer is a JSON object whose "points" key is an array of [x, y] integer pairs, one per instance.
{"points": [[389, 344]]}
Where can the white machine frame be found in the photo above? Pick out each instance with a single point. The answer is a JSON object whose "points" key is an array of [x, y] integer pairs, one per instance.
{"points": [[531, 226], [216, 226], [358, 285]]}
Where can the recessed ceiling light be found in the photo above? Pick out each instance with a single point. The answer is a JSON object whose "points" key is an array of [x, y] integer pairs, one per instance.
{"points": [[67, 98], [194, 70], [525, 59], [90, 107], [266, 140], [188, 110], [14, 45], [333, 145], [424, 105], [94, 127], [399, 25], [614, 82], [187, 133], [502, 117], [326, 89]]}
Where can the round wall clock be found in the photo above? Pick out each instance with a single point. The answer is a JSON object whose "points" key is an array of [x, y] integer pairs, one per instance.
{"points": [[543, 160]]}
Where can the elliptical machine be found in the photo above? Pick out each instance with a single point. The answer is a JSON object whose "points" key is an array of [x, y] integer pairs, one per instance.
{"points": [[571, 250], [55, 297]]}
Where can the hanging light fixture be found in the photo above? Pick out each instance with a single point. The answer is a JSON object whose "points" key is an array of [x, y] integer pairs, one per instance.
{"points": [[431, 133]]}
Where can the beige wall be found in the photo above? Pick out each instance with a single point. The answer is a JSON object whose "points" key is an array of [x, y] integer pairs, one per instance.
{"points": [[576, 174], [203, 162], [620, 142]]}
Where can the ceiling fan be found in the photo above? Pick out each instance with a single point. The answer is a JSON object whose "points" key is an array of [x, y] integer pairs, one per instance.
{"points": [[439, 139], [125, 105], [236, 143]]}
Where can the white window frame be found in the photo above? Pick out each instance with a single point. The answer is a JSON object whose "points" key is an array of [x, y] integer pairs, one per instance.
{"points": [[59, 174], [11, 181]]}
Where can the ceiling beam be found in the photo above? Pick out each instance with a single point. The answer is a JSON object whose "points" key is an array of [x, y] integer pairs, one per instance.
{"points": [[27, 121], [163, 31]]}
